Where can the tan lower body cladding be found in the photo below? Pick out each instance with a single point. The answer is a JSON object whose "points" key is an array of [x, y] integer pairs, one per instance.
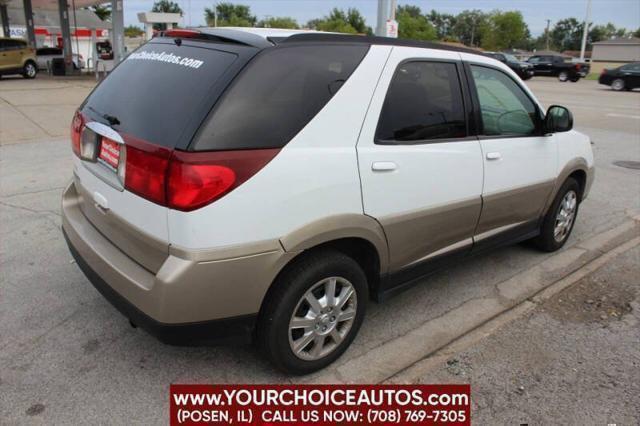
{"points": [[414, 235], [419, 235]]}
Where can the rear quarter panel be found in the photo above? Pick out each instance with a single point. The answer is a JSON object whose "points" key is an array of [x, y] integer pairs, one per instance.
{"points": [[314, 176]]}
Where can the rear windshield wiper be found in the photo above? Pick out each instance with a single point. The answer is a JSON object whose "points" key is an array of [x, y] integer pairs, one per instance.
{"points": [[111, 119]]}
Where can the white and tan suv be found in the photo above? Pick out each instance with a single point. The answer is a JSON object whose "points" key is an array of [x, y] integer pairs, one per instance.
{"points": [[265, 184]]}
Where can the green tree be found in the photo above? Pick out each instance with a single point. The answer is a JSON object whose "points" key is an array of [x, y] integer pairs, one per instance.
{"points": [[103, 11], [351, 22], [443, 23], [278, 22], [566, 34], [504, 30], [468, 25], [230, 15], [412, 24], [165, 6], [636, 33], [133, 31]]}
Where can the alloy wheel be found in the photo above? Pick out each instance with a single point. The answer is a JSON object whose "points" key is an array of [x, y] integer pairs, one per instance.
{"points": [[617, 84], [322, 318], [30, 69], [565, 216]]}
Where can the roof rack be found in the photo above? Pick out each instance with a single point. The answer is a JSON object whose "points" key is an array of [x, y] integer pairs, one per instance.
{"points": [[346, 38]]}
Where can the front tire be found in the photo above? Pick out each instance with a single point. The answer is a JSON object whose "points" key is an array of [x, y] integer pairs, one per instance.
{"points": [[561, 217], [618, 84], [30, 70], [313, 312]]}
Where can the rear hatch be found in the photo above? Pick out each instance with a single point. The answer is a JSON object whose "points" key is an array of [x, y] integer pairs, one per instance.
{"points": [[126, 131]]}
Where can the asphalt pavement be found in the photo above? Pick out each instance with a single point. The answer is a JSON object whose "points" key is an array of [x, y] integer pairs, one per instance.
{"points": [[67, 356]]}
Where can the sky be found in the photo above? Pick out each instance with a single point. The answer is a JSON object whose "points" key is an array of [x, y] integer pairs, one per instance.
{"points": [[622, 13]]}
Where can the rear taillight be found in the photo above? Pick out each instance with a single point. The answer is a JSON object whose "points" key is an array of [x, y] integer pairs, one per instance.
{"points": [[604, 71], [188, 180], [196, 179], [76, 132], [146, 169], [577, 67]]}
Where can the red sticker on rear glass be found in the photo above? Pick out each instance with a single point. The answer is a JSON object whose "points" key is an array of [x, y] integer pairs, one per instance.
{"points": [[110, 153]]}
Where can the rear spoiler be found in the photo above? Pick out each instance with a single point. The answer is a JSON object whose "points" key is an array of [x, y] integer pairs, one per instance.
{"points": [[219, 35]]}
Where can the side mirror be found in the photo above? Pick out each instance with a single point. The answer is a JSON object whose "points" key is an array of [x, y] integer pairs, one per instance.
{"points": [[558, 119]]}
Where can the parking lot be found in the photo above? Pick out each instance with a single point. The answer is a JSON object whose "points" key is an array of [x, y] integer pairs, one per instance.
{"points": [[66, 355]]}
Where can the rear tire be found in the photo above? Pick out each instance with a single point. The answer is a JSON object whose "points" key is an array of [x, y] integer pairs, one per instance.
{"points": [[30, 70], [618, 84], [300, 338], [561, 217], [563, 76]]}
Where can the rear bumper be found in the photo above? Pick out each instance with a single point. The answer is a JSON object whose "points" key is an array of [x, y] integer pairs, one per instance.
{"points": [[238, 329], [195, 297]]}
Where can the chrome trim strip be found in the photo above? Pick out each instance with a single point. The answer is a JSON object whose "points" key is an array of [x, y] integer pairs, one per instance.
{"points": [[496, 231], [455, 246], [105, 131]]}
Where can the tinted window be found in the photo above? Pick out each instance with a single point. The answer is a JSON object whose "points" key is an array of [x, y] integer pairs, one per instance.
{"points": [[155, 91], [505, 107], [277, 95], [14, 44], [423, 102], [630, 67]]}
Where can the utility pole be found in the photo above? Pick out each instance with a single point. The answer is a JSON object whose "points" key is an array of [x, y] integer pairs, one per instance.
{"points": [[585, 31], [383, 16], [547, 32]]}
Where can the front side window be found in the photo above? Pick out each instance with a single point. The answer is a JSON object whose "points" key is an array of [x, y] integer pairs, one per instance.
{"points": [[505, 108], [279, 93], [424, 102]]}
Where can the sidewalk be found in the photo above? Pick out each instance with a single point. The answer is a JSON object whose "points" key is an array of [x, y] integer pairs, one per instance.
{"points": [[574, 359], [40, 109]]}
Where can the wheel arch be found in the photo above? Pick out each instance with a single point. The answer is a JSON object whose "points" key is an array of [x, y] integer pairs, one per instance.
{"points": [[358, 236], [577, 169]]}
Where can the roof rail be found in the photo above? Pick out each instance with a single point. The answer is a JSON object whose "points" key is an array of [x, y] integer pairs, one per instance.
{"points": [[346, 38]]}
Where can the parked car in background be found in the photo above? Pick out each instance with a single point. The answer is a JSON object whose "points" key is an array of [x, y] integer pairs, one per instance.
{"points": [[105, 51], [626, 77], [523, 69], [366, 165], [45, 55], [16, 57], [558, 66]]}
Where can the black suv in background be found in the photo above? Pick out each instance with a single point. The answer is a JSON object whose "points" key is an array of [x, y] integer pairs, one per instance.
{"points": [[626, 77], [523, 69], [558, 66]]}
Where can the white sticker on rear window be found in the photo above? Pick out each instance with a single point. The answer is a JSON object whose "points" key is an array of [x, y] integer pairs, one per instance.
{"points": [[169, 58]]}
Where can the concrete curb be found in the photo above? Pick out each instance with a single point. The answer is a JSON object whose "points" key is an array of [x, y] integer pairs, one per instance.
{"points": [[404, 358]]}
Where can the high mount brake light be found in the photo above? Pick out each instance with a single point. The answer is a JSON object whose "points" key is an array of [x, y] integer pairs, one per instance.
{"points": [[182, 33]]}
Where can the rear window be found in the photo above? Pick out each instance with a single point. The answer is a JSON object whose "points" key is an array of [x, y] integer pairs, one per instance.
{"points": [[156, 90], [277, 95]]}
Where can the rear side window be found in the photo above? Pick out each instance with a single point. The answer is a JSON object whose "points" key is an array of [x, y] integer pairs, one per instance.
{"points": [[277, 95], [424, 102], [157, 89]]}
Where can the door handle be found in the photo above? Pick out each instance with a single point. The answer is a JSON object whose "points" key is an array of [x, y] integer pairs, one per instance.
{"points": [[384, 166], [493, 156]]}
